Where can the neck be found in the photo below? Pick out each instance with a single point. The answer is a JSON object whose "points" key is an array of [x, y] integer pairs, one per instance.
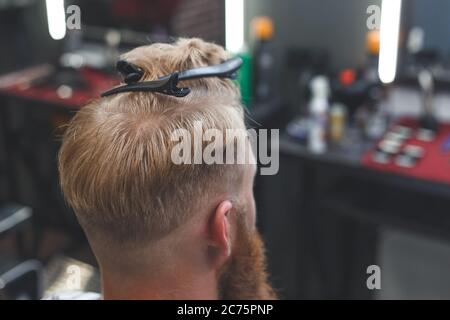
{"points": [[174, 285]]}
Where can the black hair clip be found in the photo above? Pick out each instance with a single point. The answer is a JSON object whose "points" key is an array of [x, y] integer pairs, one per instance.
{"points": [[130, 72], [168, 84]]}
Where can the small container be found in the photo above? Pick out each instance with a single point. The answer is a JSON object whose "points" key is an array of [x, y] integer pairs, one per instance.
{"points": [[381, 157], [337, 122], [425, 135], [394, 136], [318, 110], [414, 151], [390, 146], [405, 161], [404, 131]]}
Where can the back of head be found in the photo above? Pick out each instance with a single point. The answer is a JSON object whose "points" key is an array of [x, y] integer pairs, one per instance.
{"points": [[115, 162]]}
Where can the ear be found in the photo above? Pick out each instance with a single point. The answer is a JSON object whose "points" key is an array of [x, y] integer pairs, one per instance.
{"points": [[220, 233]]}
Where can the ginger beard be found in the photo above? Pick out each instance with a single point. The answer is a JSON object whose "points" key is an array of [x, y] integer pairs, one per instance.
{"points": [[244, 277]]}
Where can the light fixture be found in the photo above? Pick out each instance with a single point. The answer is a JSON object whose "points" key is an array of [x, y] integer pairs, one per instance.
{"points": [[56, 18], [389, 35], [234, 25]]}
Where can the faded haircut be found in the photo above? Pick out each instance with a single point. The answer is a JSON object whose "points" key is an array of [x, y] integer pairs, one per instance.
{"points": [[115, 160]]}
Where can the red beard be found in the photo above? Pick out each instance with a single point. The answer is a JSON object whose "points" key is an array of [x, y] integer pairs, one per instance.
{"points": [[245, 277]]}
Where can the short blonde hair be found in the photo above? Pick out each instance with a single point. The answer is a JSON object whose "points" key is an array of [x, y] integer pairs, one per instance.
{"points": [[115, 160]]}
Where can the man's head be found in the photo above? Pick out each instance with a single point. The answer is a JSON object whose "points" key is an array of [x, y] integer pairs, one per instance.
{"points": [[147, 218]]}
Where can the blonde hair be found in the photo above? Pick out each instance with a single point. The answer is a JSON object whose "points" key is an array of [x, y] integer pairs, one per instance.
{"points": [[115, 161]]}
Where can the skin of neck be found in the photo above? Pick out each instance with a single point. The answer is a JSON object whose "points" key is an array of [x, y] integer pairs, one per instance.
{"points": [[178, 285], [188, 269]]}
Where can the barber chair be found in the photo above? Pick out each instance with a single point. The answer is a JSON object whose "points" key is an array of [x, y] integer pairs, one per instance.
{"points": [[19, 278]]}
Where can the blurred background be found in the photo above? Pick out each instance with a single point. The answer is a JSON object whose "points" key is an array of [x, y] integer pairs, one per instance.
{"points": [[359, 89]]}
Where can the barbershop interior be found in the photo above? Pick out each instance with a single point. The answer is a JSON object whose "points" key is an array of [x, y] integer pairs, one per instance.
{"points": [[355, 97]]}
